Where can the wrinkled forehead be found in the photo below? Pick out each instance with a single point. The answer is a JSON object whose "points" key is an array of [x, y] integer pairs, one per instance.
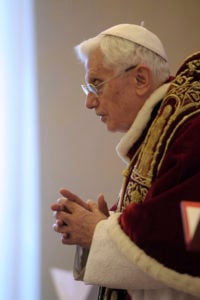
{"points": [[95, 58], [96, 63], [95, 66]]}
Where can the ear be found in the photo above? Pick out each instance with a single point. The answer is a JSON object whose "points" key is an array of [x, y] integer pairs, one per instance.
{"points": [[143, 80]]}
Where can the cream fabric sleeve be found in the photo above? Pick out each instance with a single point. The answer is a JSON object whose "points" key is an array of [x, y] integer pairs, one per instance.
{"points": [[107, 265], [116, 262]]}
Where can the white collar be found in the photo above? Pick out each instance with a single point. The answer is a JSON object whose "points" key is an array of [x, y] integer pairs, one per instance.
{"points": [[140, 122]]}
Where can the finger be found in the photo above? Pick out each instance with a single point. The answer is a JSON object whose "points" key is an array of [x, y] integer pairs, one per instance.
{"points": [[62, 218], [59, 215], [92, 205], [59, 219], [60, 223], [57, 207], [61, 205], [60, 229], [72, 197], [66, 239], [102, 205], [69, 195]]}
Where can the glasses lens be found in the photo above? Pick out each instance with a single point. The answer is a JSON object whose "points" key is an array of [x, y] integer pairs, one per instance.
{"points": [[85, 89], [89, 88], [92, 88]]}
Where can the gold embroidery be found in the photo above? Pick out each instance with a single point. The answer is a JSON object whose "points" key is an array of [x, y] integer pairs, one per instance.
{"points": [[181, 103]]}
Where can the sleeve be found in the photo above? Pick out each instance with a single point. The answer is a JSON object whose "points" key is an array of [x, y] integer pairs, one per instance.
{"points": [[80, 260], [156, 224], [114, 261], [107, 263]]}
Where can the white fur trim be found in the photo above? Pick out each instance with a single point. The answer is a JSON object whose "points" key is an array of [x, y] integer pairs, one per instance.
{"points": [[140, 122], [116, 262], [106, 265]]}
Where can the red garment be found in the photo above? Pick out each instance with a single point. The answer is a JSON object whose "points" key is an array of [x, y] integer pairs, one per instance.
{"points": [[155, 223]]}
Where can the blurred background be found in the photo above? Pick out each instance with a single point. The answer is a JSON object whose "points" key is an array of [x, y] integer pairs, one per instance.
{"points": [[72, 148]]}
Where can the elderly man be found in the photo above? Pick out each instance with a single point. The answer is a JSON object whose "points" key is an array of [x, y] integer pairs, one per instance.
{"points": [[137, 250]]}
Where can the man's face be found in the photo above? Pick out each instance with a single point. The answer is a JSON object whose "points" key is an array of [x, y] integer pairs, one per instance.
{"points": [[117, 103]]}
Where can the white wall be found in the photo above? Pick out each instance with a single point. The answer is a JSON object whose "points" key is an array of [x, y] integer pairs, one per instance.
{"points": [[76, 150]]}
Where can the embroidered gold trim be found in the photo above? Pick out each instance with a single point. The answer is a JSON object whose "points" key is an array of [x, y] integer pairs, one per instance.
{"points": [[180, 104]]}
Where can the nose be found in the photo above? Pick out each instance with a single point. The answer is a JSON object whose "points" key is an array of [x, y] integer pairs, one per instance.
{"points": [[91, 101]]}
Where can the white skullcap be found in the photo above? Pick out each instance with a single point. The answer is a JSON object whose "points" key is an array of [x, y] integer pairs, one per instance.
{"points": [[139, 35]]}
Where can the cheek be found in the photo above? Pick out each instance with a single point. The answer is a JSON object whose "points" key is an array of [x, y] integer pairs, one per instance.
{"points": [[115, 108], [124, 112], [117, 103], [120, 104]]}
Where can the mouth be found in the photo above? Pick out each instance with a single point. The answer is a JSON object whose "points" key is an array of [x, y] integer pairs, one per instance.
{"points": [[102, 117]]}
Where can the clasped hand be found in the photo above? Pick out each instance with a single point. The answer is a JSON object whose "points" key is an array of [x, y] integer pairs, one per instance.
{"points": [[76, 219]]}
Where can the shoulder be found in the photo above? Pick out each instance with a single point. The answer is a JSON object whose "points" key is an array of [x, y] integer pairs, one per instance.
{"points": [[190, 65]]}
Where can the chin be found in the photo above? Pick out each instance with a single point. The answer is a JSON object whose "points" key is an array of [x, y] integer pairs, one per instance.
{"points": [[115, 129]]}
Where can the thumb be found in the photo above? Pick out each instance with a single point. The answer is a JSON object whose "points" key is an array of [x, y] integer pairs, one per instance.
{"points": [[73, 197], [92, 205], [102, 205]]}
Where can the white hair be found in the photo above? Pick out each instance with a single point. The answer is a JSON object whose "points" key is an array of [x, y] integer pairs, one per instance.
{"points": [[120, 54]]}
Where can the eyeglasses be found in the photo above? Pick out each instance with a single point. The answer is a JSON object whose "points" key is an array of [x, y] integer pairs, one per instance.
{"points": [[94, 89]]}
